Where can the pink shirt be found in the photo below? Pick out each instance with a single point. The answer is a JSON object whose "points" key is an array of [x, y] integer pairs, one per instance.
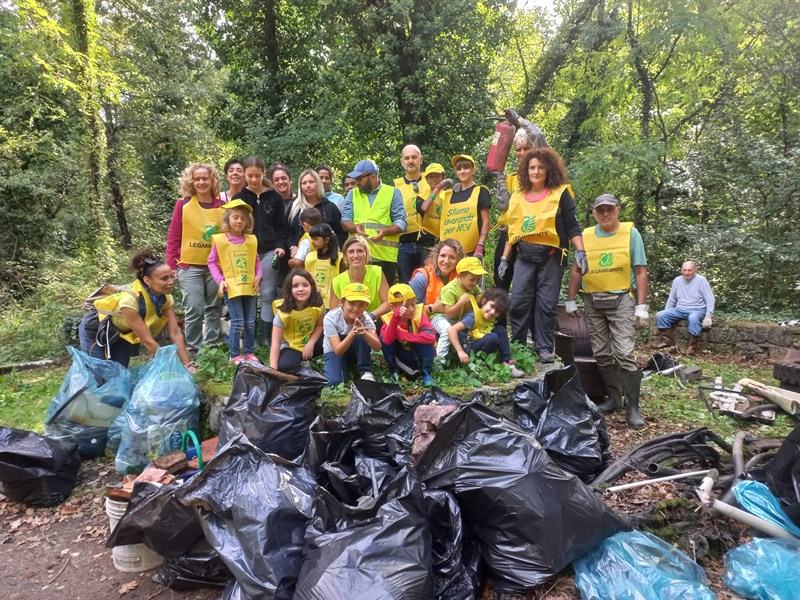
{"points": [[175, 233], [213, 260]]}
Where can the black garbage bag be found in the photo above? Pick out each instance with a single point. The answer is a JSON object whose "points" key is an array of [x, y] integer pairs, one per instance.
{"points": [[274, 413], [156, 519], [782, 475], [365, 477], [373, 408], [531, 517], [557, 412], [200, 567], [330, 440], [254, 509], [36, 470], [380, 550], [451, 578]]}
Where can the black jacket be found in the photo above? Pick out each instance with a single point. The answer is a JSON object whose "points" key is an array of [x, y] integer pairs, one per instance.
{"points": [[270, 223]]}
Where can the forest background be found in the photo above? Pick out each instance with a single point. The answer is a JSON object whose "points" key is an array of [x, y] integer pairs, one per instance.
{"points": [[688, 111]]}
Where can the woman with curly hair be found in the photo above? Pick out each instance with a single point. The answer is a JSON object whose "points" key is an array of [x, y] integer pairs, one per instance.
{"points": [[197, 216], [541, 224]]}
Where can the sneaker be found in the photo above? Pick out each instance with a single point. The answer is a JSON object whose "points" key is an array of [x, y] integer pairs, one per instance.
{"points": [[252, 358], [237, 359], [427, 380], [546, 357], [367, 376], [515, 372]]}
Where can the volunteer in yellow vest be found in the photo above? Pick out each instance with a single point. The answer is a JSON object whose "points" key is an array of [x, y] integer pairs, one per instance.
{"points": [[415, 242], [195, 219], [375, 210], [527, 137], [614, 292], [407, 337], [541, 224], [118, 324], [324, 262], [465, 213], [356, 255], [235, 266], [297, 328], [430, 211]]}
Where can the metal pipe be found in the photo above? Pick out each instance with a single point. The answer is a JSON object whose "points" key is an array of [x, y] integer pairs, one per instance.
{"points": [[709, 502], [636, 484]]}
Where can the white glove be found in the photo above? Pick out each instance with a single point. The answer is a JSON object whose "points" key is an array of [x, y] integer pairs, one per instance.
{"points": [[707, 323], [502, 268], [642, 316], [571, 307]]}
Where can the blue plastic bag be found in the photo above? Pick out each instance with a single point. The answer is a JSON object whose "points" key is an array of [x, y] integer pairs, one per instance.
{"points": [[755, 498], [637, 565], [764, 569], [90, 399], [164, 404]]}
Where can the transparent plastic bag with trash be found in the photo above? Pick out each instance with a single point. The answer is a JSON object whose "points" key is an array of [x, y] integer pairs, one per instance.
{"points": [[164, 404], [87, 403]]}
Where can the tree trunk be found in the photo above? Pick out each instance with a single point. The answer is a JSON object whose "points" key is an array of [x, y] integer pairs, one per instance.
{"points": [[112, 166]]}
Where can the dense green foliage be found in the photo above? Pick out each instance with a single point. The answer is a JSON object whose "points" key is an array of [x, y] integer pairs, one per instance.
{"points": [[688, 111]]}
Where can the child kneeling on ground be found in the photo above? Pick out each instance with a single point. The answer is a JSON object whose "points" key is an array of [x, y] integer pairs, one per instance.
{"points": [[408, 336], [349, 336], [477, 330], [297, 328]]}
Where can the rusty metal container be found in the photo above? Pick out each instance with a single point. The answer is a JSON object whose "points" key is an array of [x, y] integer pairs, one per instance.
{"points": [[573, 347]]}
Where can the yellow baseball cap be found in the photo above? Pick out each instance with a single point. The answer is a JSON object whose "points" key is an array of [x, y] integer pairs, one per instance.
{"points": [[238, 203], [458, 157], [400, 292], [356, 292], [433, 168], [470, 264]]}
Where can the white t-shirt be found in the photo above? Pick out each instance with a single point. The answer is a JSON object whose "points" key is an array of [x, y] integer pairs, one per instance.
{"points": [[302, 250], [334, 324]]}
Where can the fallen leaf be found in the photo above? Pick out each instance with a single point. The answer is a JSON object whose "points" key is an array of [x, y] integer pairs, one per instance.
{"points": [[128, 587], [15, 524]]}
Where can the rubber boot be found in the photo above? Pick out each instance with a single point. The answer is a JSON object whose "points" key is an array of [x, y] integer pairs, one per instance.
{"points": [[667, 338], [265, 339], [691, 347], [632, 386], [612, 383]]}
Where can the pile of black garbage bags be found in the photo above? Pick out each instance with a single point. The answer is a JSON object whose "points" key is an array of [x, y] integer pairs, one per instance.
{"points": [[375, 505]]}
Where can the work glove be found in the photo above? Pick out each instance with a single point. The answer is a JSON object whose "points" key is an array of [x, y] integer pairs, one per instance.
{"points": [[502, 268], [641, 316], [707, 322], [446, 184], [512, 116], [581, 261], [571, 306]]}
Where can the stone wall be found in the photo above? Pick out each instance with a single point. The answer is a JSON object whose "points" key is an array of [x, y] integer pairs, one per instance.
{"points": [[765, 340]]}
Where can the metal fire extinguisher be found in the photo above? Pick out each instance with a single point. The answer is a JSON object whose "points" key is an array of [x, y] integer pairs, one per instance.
{"points": [[501, 145]]}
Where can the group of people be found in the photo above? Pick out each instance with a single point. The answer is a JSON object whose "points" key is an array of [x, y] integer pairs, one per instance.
{"points": [[386, 267]]}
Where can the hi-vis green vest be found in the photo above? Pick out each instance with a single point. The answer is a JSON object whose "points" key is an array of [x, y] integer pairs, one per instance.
{"points": [[609, 260], [374, 217]]}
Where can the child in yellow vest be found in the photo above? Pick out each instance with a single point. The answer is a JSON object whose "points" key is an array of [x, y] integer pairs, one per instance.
{"points": [[308, 219], [324, 262], [478, 332], [297, 328], [234, 264], [407, 338]]}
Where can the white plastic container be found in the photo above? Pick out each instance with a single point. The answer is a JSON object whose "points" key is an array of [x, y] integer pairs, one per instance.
{"points": [[136, 557]]}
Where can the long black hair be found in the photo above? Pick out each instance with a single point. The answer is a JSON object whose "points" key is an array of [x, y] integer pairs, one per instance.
{"points": [[324, 230], [288, 303]]}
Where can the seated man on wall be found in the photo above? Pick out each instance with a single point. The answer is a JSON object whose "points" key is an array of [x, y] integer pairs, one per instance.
{"points": [[691, 299]]}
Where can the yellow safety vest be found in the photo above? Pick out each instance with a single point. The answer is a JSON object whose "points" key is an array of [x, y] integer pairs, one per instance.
{"points": [[415, 322], [534, 222], [609, 260], [431, 221], [410, 200], [238, 263], [305, 236], [323, 273], [372, 279], [460, 221], [298, 325], [482, 326], [377, 217], [108, 306], [198, 224]]}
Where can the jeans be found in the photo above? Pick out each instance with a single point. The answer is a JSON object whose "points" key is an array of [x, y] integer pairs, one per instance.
{"points": [[440, 324], [694, 319], [202, 306], [336, 366], [495, 341], [243, 318], [121, 350], [270, 279], [420, 356], [290, 360], [410, 257]]}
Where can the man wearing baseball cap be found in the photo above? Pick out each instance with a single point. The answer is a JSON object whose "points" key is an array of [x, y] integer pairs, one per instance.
{"points": [[617, 274], [376, 211]]}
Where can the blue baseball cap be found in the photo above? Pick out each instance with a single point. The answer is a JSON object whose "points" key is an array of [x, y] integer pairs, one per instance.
{"points": [[363, 167]]}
